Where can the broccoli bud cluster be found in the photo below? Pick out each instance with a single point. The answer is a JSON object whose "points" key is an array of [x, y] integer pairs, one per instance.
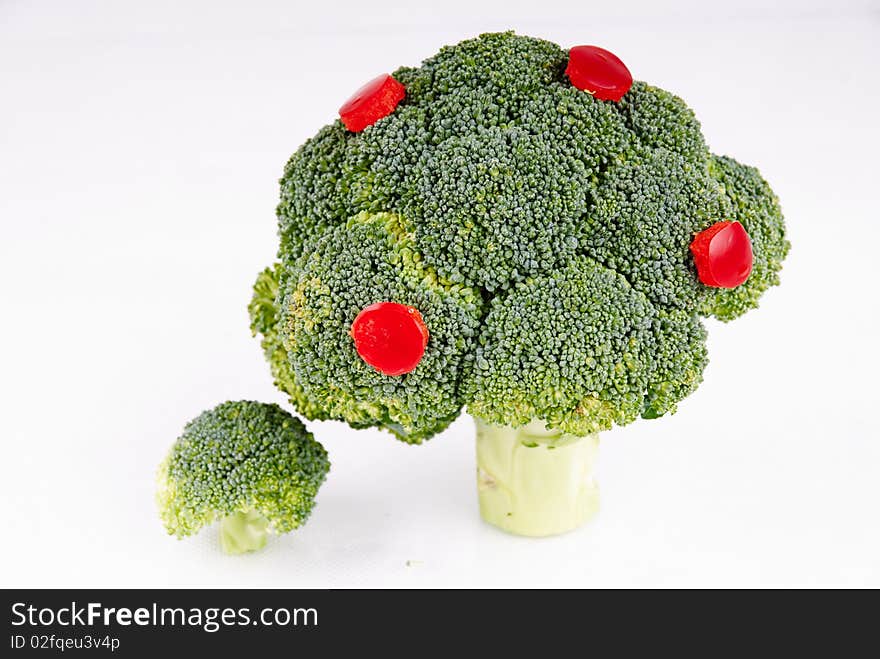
{"points": [[241, 459], [371, 258]]}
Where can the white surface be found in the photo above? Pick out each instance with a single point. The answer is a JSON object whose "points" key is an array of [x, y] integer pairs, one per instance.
{"points": [[140, 145]]}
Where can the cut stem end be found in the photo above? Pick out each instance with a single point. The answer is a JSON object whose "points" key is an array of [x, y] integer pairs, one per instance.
{"points": [[243, 532]]}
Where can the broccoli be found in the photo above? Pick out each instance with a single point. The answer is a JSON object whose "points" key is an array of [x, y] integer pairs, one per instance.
{"points": [[372, 258], [574, 349], [551, 246], [250, 465]]}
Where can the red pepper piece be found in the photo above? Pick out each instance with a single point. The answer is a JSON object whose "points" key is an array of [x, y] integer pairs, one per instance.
{"points": [[599, 72], [723, 255], [390, 337], [375, 100]]}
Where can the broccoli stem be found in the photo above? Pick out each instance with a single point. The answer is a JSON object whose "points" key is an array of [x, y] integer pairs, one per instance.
{"points": [[533, 481], [242, 532]]}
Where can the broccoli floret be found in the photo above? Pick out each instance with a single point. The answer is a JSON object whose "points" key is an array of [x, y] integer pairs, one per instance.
{"points": [[265, 315], [314, 189], [590, 133], [496, 206], [373, 258], [582, 350], [756, 207], [250, 465], [678, 360], [646, 214], [572, 349], [511, 69], [663, 120]]}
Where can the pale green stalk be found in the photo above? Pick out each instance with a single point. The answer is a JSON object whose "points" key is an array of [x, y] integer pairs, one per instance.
{"points": [[533, 481], [242, 532]]}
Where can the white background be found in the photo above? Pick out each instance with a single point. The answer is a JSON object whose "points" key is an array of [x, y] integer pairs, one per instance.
{"points": [[140, 146]]}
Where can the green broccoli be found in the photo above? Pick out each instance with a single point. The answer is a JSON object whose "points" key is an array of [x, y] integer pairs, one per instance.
{"points": [[250, 465], [574, 349], [370, 259], [556, 249]]}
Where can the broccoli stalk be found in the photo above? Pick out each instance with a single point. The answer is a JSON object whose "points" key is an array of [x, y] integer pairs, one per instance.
{"points": [[534, 481], [243, 531]]}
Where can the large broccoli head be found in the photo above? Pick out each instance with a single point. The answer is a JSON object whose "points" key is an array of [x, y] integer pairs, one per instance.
{"points": [[544, 236]]}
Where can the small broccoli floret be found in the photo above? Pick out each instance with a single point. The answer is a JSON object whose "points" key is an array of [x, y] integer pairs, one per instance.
{"points": [[644, 219], [265, 315], [505, 66], [572, 349], [250, 465], [678, 360], [465, 113], [314, 189], [580, 129], [496, 206], [662, 120], [756, 207], [372, 258]]}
